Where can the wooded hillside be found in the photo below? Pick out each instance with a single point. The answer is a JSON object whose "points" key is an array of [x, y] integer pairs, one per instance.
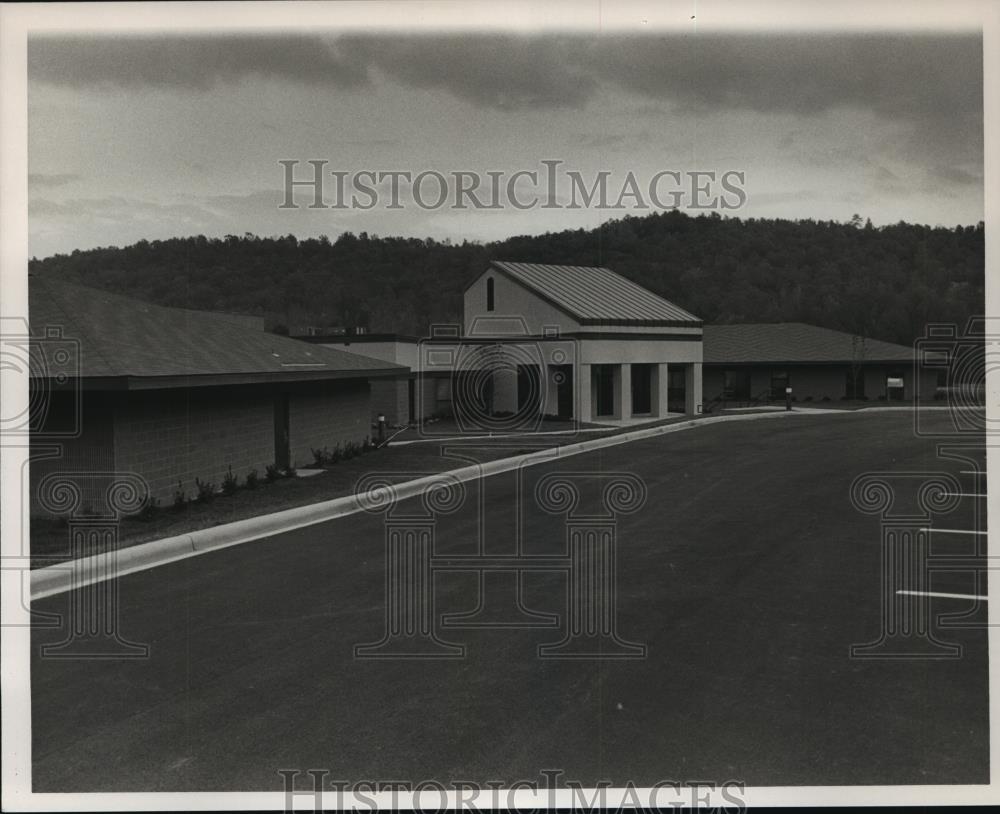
{"points": [[884, 282]]}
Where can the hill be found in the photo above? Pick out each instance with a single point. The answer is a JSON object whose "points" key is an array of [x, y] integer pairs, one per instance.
{"points": [[886, 282]]}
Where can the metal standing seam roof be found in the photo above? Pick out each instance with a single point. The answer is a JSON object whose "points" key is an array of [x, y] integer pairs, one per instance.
{"points": [[792, 342], [107, 335], [596, 295]]}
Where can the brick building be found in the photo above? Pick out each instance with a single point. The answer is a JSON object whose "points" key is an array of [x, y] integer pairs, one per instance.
{"points": [[756, 362], [571, 342], [119, 385]]}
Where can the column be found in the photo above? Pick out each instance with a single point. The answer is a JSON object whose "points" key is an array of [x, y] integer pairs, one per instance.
{"points": [[662, 393], [624, 391], [584, 396], [692, 388]]}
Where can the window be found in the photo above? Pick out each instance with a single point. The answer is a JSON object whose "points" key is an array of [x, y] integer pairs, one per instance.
{"points": [[779, 381], [489, 294]]}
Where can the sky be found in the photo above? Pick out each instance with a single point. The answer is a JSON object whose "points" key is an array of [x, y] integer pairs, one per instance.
{"points": [[154, 136]]}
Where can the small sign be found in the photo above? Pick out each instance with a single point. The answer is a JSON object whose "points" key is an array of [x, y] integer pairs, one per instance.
{"points": [[894, 381], [788, 391]]}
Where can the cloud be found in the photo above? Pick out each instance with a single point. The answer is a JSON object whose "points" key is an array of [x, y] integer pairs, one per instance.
{"points": [[902, 76], [45, 180], [188, 62], [910, 76], [955, 175]]}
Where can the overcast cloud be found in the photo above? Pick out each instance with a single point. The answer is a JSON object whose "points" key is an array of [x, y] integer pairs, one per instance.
{"points": [[891, 122]]}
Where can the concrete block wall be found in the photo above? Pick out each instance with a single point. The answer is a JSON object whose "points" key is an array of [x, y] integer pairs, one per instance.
{"points": [[179, 436], [391, 397], [90, 451], [175, 436], [331, 414]]}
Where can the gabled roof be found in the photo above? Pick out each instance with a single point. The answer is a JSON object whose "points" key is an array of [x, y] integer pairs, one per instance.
{"points": [[597, 296], [112, 337], [793, 342]]}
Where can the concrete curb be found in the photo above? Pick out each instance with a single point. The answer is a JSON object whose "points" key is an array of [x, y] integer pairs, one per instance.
{"points": [[62, 577]]}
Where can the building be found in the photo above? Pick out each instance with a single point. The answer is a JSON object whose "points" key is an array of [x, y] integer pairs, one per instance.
{"points": [[567, 342], [396, 398], [119, 385], [608, 350], [756, 362]]}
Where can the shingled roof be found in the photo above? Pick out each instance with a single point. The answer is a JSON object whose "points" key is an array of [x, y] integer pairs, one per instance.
{"points": [[596, 295], [125, 342], [792, 342]]}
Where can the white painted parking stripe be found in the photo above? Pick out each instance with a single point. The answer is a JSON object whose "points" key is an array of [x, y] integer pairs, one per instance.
{"points": [[962, 494], [956, 531], [944, 595], [972, 472]]}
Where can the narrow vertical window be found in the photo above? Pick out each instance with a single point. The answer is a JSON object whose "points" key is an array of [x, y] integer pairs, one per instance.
{"points": [[489, 294]]}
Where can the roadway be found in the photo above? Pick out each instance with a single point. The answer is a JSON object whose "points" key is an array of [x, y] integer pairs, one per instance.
{"points": [[748, 575]]}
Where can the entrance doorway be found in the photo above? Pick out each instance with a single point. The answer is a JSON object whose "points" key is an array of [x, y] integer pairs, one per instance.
{"points": [[676, 389], [642, 389], [604, 390], [563, 377]]}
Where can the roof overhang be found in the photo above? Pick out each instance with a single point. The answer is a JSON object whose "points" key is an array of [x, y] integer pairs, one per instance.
{"points": [[128, 383], [809, 362]]}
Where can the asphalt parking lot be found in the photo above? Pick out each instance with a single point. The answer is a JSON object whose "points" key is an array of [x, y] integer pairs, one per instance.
{"points": [[747, 575]]}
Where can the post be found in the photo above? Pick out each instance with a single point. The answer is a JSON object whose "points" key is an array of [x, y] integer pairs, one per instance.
{"points": [[788, 398], [381, 428], [624, 391], [692, 388], [584, 396], [662, 390]]}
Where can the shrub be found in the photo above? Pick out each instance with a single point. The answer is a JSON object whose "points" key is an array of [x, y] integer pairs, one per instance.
{"points": [[252, 480], [825, 398], [149, 508], [206, 491], [180, 498], [808, 398], [320, 456], [291, 472], [337, 455], [271, 473], [230, 483], [368, 445]]}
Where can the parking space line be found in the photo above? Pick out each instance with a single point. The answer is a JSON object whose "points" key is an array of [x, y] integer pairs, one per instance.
{"points": [[962, 494], [956, 531], [944, 595]]}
